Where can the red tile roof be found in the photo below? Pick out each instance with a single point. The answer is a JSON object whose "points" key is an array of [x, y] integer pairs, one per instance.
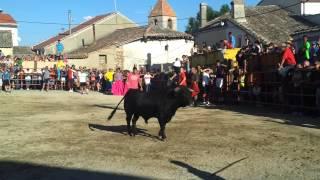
{"points": [[73, 30], [6, 19], [162, 8]]}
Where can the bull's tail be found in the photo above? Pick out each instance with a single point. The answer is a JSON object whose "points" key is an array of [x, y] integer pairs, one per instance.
{"points": [[115, 110]]}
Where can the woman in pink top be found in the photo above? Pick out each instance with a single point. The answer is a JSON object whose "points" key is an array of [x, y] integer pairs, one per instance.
{"points": [[133, 80]]}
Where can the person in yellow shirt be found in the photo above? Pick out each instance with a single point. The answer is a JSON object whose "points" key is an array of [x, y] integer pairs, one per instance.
{"points": [[60, 65], [108, 76]]}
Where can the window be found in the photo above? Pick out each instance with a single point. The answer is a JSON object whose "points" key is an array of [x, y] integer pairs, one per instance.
{"points": [[103, 59], [170, 24], [156, 22]]}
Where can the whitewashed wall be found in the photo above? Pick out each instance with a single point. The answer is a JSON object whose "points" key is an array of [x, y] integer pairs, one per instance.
{"points": [[215, 35], [311, 8], [137, 52], [14, 32]]}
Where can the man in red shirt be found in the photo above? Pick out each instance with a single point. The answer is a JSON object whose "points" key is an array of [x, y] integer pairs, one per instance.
{"points": [[182, 77], [288, 60]]}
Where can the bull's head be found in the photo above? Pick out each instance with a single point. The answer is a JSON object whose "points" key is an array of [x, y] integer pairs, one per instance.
{"points": [[183, 95]]}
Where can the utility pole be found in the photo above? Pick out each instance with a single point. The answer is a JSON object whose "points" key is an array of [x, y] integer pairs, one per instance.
{"points": [[69, 20], [115, 5]]}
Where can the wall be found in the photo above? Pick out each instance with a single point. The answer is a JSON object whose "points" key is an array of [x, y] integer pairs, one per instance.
{"points": [[74, 41], [216, 34], [7, 51], [137, 52], [92, 61], [310, 8], [14, 32]]}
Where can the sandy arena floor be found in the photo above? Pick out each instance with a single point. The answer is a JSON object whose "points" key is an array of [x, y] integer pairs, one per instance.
{"points": [[58, 135]]}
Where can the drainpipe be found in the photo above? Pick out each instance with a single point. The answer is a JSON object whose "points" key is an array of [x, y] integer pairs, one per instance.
{"points": [[94, 32]]}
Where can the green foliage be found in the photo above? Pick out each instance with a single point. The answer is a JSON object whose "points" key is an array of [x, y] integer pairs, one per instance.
{"points": [[194, 22]]}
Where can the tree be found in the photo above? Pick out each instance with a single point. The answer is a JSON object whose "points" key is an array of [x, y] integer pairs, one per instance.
{"points": [[224, 9], [194, 23]]}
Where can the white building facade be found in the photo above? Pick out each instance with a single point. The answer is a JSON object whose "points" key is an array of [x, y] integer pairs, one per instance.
{"points": [[155, 53], [7, 23]]}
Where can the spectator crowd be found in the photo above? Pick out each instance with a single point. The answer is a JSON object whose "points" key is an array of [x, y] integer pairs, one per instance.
{"points": [[208, 83]]}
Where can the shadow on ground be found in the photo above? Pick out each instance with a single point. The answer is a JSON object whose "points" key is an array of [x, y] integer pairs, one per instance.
{"points": [[288, 119], [27, 171], [204, 174], [122, 129]]}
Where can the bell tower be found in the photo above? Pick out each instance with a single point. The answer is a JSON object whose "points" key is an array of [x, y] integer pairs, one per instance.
{"points": [[163, 15]]}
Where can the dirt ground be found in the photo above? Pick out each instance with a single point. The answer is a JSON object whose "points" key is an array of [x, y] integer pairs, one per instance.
{"points": [[61, 135]]}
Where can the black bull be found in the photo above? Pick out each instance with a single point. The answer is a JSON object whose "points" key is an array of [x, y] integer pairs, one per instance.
{"points": [[159, 104]]}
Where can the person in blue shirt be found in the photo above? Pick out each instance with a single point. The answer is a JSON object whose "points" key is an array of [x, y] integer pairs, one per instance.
{"points": [[59, 47], [231, 40], [6, 80]]}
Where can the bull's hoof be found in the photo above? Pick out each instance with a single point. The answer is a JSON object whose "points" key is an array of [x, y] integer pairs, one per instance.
{"points": [[161, 138]]}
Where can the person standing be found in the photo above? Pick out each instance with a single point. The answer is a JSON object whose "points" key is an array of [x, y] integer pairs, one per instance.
{"points": [[314, 53], [83, 76], [118, 86], [133, 80], [6, 76], [205, 85], [28, 79], [306, 51], [182, 77], [194, 85], [70, 75], [147, 81], [59, 48], [45, 79]]}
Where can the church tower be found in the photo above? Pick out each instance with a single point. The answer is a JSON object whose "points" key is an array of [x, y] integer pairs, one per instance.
{"points": [[163, 16]]}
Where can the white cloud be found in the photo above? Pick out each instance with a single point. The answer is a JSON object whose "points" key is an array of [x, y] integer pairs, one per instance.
{"points": [[87, 18]]}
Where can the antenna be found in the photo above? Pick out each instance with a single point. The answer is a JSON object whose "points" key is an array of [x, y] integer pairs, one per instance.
{"points": [[69, 20], [115, 5]]}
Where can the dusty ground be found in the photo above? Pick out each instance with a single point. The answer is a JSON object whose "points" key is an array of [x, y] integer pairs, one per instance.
{"points": [[58, 135]]}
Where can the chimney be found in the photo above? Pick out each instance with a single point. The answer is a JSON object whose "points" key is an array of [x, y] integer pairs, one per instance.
{"points": [[238, 11], [203, 14]]}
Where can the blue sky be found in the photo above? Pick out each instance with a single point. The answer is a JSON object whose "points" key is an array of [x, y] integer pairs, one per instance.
{"points": [[56, 11]]}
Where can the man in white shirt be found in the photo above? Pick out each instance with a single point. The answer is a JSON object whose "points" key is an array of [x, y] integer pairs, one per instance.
{"points": [[83, 81], [147, 81], [28, 78]]}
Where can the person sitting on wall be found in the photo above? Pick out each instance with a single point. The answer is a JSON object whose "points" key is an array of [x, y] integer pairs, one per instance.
{"points": [[288, 60], [59, 48], [231, 41]]}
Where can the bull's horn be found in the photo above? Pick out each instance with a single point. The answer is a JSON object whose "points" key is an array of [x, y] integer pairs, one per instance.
{"points": [[191, 90]]}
